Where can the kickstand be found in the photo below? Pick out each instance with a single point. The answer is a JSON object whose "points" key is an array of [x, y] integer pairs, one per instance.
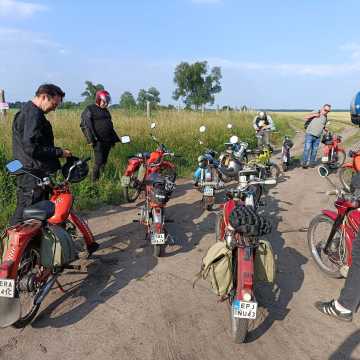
{"points": [[60, 287]]}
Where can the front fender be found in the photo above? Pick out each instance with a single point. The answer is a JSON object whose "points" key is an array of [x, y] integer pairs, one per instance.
{"points": [[330, 214]]}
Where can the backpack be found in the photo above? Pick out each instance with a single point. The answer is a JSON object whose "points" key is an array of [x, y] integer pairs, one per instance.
{"points": [[264, 265], [57, 247], [216, 267]]}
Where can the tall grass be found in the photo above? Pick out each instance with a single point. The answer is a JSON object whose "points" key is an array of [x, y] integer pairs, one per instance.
{"points": [[179, 131]]}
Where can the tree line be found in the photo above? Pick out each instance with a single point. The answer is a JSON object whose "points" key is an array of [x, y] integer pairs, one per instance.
{"points": [[195, 85]]}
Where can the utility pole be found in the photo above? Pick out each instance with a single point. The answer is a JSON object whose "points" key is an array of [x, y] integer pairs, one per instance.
{"points": [[148, 109], [3, 105]]}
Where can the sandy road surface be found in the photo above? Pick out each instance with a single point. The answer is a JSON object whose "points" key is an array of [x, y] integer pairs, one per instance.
{"points": [[132, 306]]}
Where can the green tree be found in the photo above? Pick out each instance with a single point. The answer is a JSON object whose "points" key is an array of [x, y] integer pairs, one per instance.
{"points": [[152, 95], [90, 91], [127, 101], [195, 85]]}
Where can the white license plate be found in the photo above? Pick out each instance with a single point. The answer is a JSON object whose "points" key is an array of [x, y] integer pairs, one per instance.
{"points": [[285, 159], [325, 159], [7, 288], [243, 179], [244, 309], [158, 239], [208, 191], [125, 181]]}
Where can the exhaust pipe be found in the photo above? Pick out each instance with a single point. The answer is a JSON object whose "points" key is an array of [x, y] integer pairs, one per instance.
{"points": [[45, 290]]}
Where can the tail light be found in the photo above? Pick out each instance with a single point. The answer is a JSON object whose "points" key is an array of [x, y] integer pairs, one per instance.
{"points": [[246, 295]]}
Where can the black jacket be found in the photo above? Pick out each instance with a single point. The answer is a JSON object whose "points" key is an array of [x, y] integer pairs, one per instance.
{"points": [[33, 141], [97, 125]]}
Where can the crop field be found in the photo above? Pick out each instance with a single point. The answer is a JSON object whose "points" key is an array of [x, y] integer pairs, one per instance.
{"points": [[177, 130]]}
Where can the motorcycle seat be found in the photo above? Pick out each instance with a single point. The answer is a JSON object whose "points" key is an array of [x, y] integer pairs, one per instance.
{"points": [[254, 151], [248, 172], [42, 211]]}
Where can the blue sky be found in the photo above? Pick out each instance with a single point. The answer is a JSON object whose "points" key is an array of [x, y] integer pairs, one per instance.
{"points": [[273, 54]]}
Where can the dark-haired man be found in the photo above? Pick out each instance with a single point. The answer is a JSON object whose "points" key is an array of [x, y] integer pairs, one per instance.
{"points": [[33, 145]]}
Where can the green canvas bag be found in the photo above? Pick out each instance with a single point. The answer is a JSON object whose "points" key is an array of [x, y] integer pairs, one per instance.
{"points": [[216, 267], [264, 266]]}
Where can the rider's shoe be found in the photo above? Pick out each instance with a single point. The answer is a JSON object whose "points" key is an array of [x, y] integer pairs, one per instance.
{"points": [[329, 309]]}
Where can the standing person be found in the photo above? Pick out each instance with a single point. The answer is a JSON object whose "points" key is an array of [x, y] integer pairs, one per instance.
{"points": [[349, 300], [315, 125], [33, 145], [263, 124], [98, 129]]}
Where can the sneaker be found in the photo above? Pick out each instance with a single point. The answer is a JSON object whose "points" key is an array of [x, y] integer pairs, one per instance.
{"points": [[305, 166], [93, 247], [329, 309]]}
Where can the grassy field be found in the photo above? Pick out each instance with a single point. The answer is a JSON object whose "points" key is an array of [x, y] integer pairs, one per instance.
{"points": [[177, 130]]}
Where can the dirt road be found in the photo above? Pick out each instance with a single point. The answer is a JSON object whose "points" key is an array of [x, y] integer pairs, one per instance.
{"points": [[132, 306]]}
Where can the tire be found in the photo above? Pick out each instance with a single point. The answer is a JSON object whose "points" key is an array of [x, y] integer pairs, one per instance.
{"points": [[30, 314], [322, 260], [129, 195], [219, 223], [158, 250], [284, 167], [345, 175], [341, 157], [239, 327], [168, 172], [274, 171]]}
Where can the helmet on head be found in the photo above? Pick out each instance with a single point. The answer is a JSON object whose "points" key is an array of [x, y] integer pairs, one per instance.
{"points": [[262, 115], [102, 95]]}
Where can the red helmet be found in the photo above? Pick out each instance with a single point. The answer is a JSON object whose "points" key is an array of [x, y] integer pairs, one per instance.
{"points": [[102, 95]]}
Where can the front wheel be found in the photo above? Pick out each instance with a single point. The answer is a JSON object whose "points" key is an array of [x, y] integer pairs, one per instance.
{"points": [[274, 171], [339, 159], [317, 236], [346, 174], [239, 327], [158, 250]]}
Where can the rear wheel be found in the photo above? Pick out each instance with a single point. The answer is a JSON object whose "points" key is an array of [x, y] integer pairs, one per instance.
{"points": [[27, 287], [159, 250], [346, 174], [274, 171], [317, 236], [284, 166], [239, 327], [132, 192]]}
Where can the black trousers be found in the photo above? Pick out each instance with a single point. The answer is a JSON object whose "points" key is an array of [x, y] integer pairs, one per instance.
{"points": [[350, 294], [27, 193], [101, 154]]}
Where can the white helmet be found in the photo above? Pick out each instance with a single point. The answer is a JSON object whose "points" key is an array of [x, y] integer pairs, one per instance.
{"points": [[262, 115]]}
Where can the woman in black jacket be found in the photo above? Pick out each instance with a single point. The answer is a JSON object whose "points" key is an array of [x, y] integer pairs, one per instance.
{"points": [[98, 129]]}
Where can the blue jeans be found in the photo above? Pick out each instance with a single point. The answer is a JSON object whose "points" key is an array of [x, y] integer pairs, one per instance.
{"points": [[311, 146]]}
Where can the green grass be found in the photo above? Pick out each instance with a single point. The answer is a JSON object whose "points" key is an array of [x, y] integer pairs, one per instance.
{"points": [[177, 130]]}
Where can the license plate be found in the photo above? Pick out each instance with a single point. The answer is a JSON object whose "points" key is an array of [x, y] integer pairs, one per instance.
{"points": [[7, 288], [244, 309], [325, 159], [243, 179], [158, 239], [125, 181], [208, 191]]}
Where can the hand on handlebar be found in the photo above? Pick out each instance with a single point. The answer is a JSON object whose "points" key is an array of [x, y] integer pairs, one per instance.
{"points": [[66, 153]]}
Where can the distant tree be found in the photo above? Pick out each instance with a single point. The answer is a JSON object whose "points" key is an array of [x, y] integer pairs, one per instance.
{"points": [[171, 107], [227, 107], [69, 105], [90, 91], [127, 101], [152, 95], [194, 85]]}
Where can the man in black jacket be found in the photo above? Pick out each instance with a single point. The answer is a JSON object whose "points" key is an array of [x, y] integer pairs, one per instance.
{"points": [[33, 145], [98, 129]]}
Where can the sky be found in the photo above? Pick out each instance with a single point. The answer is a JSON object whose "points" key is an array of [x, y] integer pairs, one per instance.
{"points": [[272, 53]]}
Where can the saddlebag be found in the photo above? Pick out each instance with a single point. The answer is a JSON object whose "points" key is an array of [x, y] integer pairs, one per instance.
{"points": [[216, 268], [264, 265], [57, 247]]}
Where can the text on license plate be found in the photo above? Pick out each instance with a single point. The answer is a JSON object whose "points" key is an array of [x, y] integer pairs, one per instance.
{"points": [[325, 159], [157, 239], [125, 181], [208, 191], [7, 288], [244, 309]]}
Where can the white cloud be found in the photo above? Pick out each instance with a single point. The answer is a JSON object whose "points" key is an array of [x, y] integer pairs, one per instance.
{"points": [[15, 8], [18, 38], [353, 48]]}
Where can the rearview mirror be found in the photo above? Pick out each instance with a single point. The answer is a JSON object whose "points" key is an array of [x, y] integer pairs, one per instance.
{"points": [[152, 125], [323, 171], [125, 139], [14, 166], [202, 129], [234, 139], [229, 126]]}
